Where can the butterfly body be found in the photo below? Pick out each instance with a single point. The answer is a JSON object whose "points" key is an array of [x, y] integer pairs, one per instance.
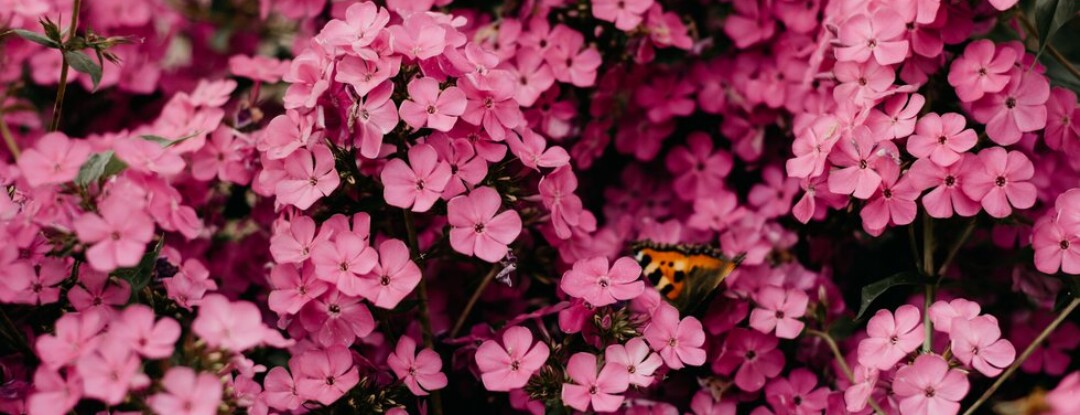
{"points": [[685, 275]]}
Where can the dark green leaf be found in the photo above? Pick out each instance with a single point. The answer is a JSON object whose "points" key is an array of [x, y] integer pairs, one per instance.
{"points": [[842, 328], [82, 63], [873, 291], [36, 38], [157, 139], [139, 275], [99, 166], [1051, 15], [52, 31]]}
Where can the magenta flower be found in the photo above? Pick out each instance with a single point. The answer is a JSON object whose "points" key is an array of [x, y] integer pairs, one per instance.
{"points": [[118, 233], [421, 372], [700, 169], [929, 387], [754, 355], [977, 343], [1062, 118], [779, 309], [236, 326], [1017, 109], [293, 287], [135, 328], [636, 359], [337, 319], [374, 117], [467, 168], [492, 105], [896, 119], [1002, 183], [309, 176], [571, 62], [880, 35], [95, 292], [393, 278], [557, 194], [55, 159], [941, 138], [187, 393], [428, 106], [947, 195], [510, 365], [1057, 247], [592, 281], [625, 14], [477, 229], [862, 83], [797, 394], [530, 149], [857, 158], [891, 337], [418, 184], [600, 391], [343, 261], [325, 375], [679, 343], [812, 146], [981, 70], [893, 203]]}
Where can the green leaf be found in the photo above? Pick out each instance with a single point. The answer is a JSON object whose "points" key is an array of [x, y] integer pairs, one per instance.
{"points": [[139, 276], [52, 30], [165, 142], [36, 38], [1051, 15], [99, 166], [82, 63], [873, 291]]}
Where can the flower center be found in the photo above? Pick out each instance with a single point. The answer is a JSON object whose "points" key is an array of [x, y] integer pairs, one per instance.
{"points": [[384, 281], [419, 185], [1065, 244], [515, 365], [930, 392], [894, 339], [430, 109], [941, 140], [479, 228], [334, 309], [330, 380], [1000, 181], [631, 369], [673, 342], [950, 181], [1010, 102], [872, 43], [779, 314], [751, 355], [863, 164], [604, 282], [592, 390]]}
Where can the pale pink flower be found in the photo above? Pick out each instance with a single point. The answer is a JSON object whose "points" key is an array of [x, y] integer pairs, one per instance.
{"points": [[943, 313], [294, 239], [393, 278], [418, 184], [286, 133], [880, 35], [600, 391], [235, 326], [929, 387], [363, 23], [75, 336], [592, 280], [309, 176], [679, 342], [530, 149], [418, 37], [55, 159], [110, 371], [891, 337], [375, 116], [136, 328], [477, 227], [779, 309], [1002, 182], [343, 261], [636, 358], [54, 394], [325, 375], [279, 387], [626, 14], [432, 107], [510, 365], [187, 393], [981, 70], [421, 372], [941, 138], [977, 343], [118, 233], [293, 287], [1017, 109]]}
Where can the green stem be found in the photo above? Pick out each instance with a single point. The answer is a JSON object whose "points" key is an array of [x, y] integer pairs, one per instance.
{"points": [[9, 139], [843, 364], [472, 301], [1024, 356], [931, 285], [968, 230], [422, 297], [61, 89]]}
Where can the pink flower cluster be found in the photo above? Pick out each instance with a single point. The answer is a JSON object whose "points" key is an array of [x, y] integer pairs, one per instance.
{"points": [[428, 206]]}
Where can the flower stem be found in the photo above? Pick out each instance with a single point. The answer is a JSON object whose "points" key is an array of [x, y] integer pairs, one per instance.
{"points": [[1024, 356], [472, 301], [422, 297], [931, 285], [843, 364], [61, 89], [968, 230], [9, 139]]}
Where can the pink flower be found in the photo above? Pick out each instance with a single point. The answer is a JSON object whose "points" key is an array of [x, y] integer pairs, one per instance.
{"points": [[891, 337], [941, 138], [529, 148], [492, 106], [54, 394], [286, 133], [419, 37], [947, 195], [943, 313], [187, 393], [678, 342], [76, 335], [779, 309], [858, 158], [861, 84], [344, 261], [557, 194], [1057, 247], [293, 240], [894, 203], [477, 230], [236, 326], [929, 386], [148, 156], [980, 70], [96, 292], [700, 169], [293, 287], [1062, 118], [258, 68], [897, 117], [797, 394], [309, 176], [336, 319], [977, 343], [375, 116], [36, 285], [590, 389], [279, 387], [636, 359], [467, 168], [325, 375], [592, 281], [421, 372], [880, 35], [366, 75], [418, 184], [1017, 109], [509, 366], [812, 146], [118, 233], [1002, 183], [754, 355], [570, 62], [135, 328], [1062, 399], [363, 23], [110, 371], [308, 77], [55, 159], [625, 14], [393, 278], [428, 106]]}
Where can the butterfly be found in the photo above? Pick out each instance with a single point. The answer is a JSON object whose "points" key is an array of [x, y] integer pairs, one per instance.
{"points": [[685, 275]]}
